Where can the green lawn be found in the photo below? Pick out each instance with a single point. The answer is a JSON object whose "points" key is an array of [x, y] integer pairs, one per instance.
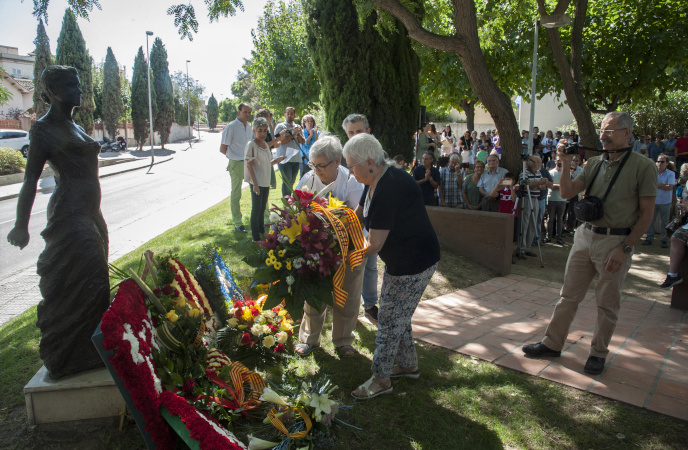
{"points": [[458, 402]]}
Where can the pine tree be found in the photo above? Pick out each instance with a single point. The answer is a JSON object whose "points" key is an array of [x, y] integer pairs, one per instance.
{"points": [[112, 107], [71, 51], [44, 58], [213, 111], [360, 72], [139, 99], [163, 118]]}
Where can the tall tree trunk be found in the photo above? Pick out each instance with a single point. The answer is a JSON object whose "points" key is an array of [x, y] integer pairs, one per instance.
{"points": [[469, 109], [466, 44], [571, 73]]}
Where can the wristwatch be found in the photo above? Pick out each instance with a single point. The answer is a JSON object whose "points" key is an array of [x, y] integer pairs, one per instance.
{"points": [[626, 248]]}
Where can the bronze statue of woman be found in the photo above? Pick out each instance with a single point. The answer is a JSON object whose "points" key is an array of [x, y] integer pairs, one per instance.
{"points": [[73, 267]]}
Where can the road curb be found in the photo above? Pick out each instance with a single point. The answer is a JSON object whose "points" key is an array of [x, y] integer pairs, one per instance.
{"points": [[128, 169]]}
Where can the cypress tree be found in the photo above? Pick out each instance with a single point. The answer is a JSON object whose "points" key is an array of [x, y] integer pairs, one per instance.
{"points": [[71, 51], [163, 115], [213, 111], [139, 100], [44, 58], [360, 72], [112, 107]]}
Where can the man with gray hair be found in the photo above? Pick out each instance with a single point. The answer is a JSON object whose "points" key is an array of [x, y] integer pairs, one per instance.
{"points": [[356, 124], [290, 136], [603, 245], [451, 181], [235, 136]]}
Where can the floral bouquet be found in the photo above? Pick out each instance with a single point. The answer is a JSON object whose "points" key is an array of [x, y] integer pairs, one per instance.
{"points": [[217, 281], [299, 415], [254, 331], [303, 255]]}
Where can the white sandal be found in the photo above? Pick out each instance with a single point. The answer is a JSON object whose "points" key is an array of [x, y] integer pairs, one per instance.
{"points": [[369, 393]]}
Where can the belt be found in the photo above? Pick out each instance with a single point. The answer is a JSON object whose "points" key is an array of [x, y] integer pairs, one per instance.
{"points": [[608, 231]]}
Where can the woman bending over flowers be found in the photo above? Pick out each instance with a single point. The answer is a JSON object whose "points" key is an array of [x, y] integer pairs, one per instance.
{"points": [[325, 157], [393, 211]]}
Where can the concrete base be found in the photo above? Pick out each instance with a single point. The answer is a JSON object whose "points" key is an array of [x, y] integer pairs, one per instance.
{"points": [[84, 396]]}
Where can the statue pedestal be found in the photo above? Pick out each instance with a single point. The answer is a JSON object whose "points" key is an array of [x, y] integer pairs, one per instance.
{"points": [[88, 395]]}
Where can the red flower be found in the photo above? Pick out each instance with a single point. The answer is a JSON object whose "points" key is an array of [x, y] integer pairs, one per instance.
{"points": [[279, 348], [238, 304], [290, 333], [157, 291], [245, 339], [238, 313], [188, 386], [255, 312], [305, 198], [167, 290], [272, 327]]}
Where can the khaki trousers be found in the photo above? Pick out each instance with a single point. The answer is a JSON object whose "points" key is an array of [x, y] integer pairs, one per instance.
{"points": [[586, 260], [343, 318], [236, 175]]}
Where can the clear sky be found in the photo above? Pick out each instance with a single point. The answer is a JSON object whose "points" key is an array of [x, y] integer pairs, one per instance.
{"points": [[216, 52]]}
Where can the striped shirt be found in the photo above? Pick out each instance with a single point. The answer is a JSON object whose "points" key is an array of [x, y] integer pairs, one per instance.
{"points": [[530, 178]]}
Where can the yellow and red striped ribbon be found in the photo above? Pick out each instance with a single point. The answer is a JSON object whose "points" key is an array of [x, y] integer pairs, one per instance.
{"points": [[357, 239], [277, 422]]}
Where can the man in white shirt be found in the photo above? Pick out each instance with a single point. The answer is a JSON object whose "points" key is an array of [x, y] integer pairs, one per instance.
{"points": [[488, 180], [235, 136], [291, 136]]}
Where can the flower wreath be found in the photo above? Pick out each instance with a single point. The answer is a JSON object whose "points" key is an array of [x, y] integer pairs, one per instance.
{"points": [[128, 330], [203, 428]]}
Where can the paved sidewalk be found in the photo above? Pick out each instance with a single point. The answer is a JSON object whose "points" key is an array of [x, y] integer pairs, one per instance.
{"points": [[492, 320]]}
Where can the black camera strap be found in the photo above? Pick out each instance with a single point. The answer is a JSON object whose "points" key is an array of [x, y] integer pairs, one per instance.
{"points": [[616, 175]]}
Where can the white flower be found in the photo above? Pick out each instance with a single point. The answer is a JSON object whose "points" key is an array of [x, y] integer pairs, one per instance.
{"points": [[274, 217], [265, 329], [298, 262], [259, 444], [269, 314], [271, 396], [282, 337], [256, 329], [260, 319], [290, 278], [322, 404], [268, 341], [233, 322]]}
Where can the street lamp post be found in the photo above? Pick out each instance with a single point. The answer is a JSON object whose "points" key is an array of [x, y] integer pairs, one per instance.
{"points": [[188, 105], [553, 21], [150, 101]]}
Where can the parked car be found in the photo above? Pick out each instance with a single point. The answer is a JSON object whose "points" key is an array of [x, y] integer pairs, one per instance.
{"points": [[15, 139]]}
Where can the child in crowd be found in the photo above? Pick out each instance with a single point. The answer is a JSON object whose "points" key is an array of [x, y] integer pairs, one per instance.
{"points": [[257, 166], [507, 201], [482, 154]]}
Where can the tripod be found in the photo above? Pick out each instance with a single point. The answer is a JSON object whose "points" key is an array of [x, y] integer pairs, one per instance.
{"points": [[523, 228]]}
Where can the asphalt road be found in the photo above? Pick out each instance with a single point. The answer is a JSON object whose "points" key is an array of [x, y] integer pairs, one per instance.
{"points": [[136, 205]]}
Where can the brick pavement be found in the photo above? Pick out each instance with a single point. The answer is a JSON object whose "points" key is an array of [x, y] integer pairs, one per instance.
{"points": [[492, 320]]}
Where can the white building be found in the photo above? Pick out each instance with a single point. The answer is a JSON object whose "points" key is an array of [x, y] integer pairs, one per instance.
{"points": [[18, 78]]}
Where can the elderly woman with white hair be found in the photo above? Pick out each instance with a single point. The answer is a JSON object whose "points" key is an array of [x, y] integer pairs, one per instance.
{"points": [[325, 157], [400, 231]]}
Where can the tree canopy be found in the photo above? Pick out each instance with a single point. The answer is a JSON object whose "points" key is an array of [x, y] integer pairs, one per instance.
{"points": [[195, 95], [112, 107], [244, 88], [71, 51], [213, 112], [139, 99], [164, 94], [43, 59], [281, 63]]}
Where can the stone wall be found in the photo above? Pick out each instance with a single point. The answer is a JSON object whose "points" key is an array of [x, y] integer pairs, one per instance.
{"points": [[486, 238]]}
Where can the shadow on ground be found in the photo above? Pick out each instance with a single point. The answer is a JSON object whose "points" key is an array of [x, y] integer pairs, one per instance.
{"points": [[146, 153]]}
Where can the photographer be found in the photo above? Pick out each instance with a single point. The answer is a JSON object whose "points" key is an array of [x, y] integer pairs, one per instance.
{"points": [[290, 135], [625, 185]]}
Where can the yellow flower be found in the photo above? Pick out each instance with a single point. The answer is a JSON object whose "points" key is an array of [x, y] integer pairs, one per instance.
{"points": [[194, 312], [271, 253], [281, 253], [172, 316], [288, 265], [247, 315], [180, 301], [284, 326], [278, 265], [268, 262], [334, 202], [295, 228], [283, 312]]}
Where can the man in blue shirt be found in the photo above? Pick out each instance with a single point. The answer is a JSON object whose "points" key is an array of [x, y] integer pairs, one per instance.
{"points": [[666, 182]]}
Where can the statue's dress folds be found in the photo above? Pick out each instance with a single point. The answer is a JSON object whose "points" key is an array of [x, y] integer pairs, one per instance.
{"points": [[73, 267]]}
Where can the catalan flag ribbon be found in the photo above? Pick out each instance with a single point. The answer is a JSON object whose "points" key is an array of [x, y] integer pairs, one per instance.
{"points": [[277, 422], [352, 234]]}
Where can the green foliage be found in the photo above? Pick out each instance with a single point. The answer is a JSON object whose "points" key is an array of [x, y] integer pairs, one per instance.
{"points": [[80, 7], [228, 109], [360, 72], [113, 108], [139, 100], [97, 74], [5, 94], [213, 111], [164, 93], [284, 73], [43, 59], [660, 114], [195, 97], [11, 161], [244, 88], [71, 51]]}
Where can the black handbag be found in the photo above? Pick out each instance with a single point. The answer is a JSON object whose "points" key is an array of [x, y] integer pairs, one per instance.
{"points": [[590, 208]]}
